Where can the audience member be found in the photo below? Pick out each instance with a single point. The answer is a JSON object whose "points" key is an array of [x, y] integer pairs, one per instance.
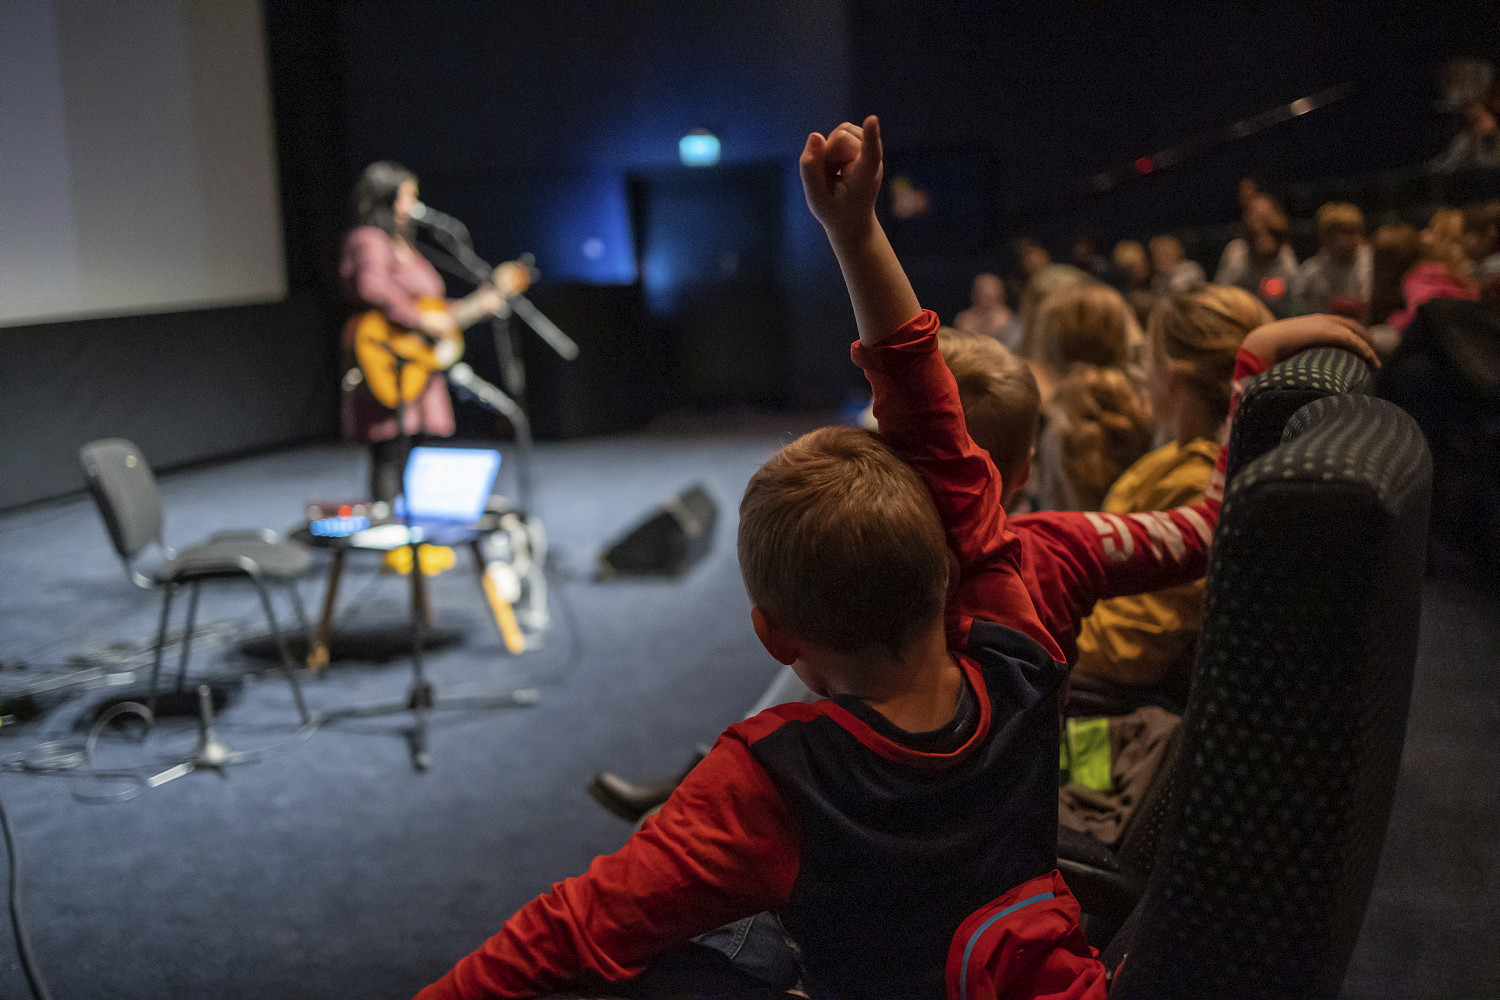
{"points": [[1048, 281], [1441, 272], [932, 750], [1173, 272], [1477, 145], [1084, 254], [1144, 643], [1481, 243], [1337, 279], [1132, 266], [1133, 278], [1086, 357], [1261, 262], [988, 315], [1097, 426]]}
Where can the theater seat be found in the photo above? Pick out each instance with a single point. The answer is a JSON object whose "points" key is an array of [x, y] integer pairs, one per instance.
{"points": [[1108, 883], [1292, 740], [1270, 399]]}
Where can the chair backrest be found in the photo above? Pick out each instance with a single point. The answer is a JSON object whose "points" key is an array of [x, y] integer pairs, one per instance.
{"points": [[1270, 399], [1292, 738], [124, 489]]}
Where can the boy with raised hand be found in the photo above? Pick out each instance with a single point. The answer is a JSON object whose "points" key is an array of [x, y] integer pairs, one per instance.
{"points": [[920, 795], [923, 786]]}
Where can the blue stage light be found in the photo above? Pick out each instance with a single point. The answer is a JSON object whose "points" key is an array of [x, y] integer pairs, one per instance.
{"points": [[699, 148]]}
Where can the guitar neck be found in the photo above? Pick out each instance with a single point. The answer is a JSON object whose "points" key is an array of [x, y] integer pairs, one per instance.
{"points": [[466, 312]]}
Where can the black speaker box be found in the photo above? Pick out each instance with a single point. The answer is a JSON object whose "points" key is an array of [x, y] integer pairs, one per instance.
{"points": [[670, 539]]}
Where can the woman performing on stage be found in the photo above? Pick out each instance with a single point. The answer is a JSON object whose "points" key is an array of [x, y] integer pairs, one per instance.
{"points": [[382, 273]]}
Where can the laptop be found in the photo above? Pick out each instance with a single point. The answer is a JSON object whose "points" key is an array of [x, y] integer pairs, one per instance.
{"points": [[445, 489]]}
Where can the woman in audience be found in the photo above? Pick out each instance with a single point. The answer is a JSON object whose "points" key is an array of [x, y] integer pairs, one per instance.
{"points": [[1086, 355], [1140, 648], [1173, 271], [1261, 262]]}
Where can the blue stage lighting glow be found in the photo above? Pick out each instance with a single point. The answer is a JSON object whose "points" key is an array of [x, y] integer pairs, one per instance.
{"points": [[593, 248], [699, 148]]}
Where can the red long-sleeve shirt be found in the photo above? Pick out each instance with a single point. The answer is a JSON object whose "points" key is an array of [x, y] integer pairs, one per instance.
{"points": [[726, 844], [1063, 561]]}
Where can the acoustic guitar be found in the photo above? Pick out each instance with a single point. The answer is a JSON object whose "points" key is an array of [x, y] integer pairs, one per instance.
{"points": [[397, 362]]}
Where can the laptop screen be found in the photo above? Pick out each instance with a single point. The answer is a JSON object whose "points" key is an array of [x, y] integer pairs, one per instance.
{"points": [[450, 484]]}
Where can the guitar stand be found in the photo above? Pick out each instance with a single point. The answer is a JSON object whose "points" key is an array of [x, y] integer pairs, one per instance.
{"points": [[421, 698]]}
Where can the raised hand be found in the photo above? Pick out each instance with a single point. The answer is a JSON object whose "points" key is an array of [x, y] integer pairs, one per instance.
{"points": [[1278, 341], [841, 177]]}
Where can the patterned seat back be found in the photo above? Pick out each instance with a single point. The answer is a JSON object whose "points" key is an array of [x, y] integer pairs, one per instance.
{"points": [[1272, 397], [1294, 727]]}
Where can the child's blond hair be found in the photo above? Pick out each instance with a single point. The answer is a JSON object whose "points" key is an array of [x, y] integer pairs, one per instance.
{"points": [[1001, 402], [1092, 325], [1196, 334], [1339, 215], [1105, 426]]}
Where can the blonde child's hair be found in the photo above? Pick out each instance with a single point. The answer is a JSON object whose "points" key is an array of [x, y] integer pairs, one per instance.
{"points": [[1091, 325], [1105, 427], [1339, 215], [1196, 335], [1051, 280], [1001, 401], [1130, 254], [840, 544]]}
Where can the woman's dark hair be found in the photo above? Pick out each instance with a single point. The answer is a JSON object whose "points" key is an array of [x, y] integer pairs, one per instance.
{"points": [[375, 194]]}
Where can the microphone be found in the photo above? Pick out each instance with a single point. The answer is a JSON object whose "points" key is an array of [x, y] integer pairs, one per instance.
{"points": [[429, 216]]}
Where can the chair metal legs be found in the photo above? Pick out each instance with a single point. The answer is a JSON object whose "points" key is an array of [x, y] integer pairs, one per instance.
{"points": [[287, 666], [161, 643]]}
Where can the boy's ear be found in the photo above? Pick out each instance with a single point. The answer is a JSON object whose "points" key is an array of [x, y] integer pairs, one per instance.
{"points": [[1018, 478], [781, 644]]}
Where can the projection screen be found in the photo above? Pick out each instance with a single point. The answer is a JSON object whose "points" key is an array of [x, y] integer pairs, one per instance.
{"points": [[137, 166]]}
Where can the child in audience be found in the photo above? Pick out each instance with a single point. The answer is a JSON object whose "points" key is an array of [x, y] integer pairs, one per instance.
{"points": [[1099, 422], [1338, 277], [921, 790], [1261, 262], [1133, 278], [1145, 642], [1481, 242], [1442, 270], [1172, 271], [988, 315], [1088, 323], [1002, 407], [1087, 356]]}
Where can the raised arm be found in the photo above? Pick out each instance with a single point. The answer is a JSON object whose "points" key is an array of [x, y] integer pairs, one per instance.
{"points": [[722, 847], [841, 178], [916, 400]]}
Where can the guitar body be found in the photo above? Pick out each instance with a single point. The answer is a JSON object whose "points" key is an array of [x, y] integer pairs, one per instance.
{"points": [[375, 338]]}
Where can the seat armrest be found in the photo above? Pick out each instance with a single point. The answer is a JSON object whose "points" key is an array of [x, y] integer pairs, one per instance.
{"points": [[1106, 897]]}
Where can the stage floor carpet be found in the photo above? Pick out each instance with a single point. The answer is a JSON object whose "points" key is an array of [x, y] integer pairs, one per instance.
{"points": [[326, 867]]}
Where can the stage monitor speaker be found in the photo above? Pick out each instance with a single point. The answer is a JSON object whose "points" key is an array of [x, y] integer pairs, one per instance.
{"points": [[672, 538]]}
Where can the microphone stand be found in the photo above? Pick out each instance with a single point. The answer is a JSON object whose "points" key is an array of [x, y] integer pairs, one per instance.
{"points": [[420, 699], [464, 262]]}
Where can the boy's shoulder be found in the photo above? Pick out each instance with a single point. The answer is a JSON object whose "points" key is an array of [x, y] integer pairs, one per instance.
{"points": [[1004, 669]]}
